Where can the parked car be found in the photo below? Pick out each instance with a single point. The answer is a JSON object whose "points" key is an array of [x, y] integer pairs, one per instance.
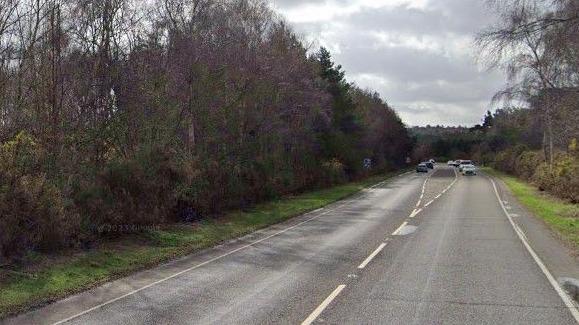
{"points": [[429, 164], [468, 170], [450, 163], [463, 163], [432, 161], [422, 168]]}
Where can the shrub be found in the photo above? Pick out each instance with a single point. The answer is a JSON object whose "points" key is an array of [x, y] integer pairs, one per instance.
{"points": [[526, 164], [129, 193], [333, 172], [562, 180], [32, 213]]}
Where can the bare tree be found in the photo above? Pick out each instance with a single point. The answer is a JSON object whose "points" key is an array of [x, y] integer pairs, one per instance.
{"points": [[536, 44]]}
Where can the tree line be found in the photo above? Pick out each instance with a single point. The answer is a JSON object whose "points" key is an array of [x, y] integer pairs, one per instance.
{"points": [[511, 140], [536, 42], [534, 135], [126, 112]]}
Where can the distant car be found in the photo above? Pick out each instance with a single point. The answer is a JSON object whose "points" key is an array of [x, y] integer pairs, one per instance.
{"points": [[463, 163], [450, 163], [422, 168], [432, 161], [429, 164], [468, 170]]}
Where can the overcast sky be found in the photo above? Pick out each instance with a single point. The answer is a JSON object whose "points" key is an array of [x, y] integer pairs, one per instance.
{"points": [[416, 53]]}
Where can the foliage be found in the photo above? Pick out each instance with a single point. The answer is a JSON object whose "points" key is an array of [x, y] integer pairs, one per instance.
{"points": [[558, 215], [32, 211], [147, 113], [104, 263]]}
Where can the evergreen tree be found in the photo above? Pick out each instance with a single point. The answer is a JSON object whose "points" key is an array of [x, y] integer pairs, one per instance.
{"points": [[488, 120], [343, 141]]}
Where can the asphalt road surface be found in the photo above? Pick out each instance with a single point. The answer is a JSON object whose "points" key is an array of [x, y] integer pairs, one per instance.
{"points": [[436, 248]]}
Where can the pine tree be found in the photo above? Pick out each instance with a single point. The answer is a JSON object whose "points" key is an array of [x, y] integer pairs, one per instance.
{"points": [[344, 138], [488, 120]]}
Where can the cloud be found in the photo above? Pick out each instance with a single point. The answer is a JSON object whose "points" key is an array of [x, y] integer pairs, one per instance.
{"points": [[417, 54]]}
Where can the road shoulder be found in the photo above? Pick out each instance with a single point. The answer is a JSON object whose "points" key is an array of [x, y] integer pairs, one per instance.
{"points": [[558, 255]]}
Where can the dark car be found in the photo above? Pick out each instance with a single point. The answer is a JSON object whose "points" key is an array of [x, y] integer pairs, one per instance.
{"points": [[422, 168], [429, 164]]}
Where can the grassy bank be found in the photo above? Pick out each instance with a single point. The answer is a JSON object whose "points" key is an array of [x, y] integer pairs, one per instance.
{"points": [[562, 217], [46, 278]]}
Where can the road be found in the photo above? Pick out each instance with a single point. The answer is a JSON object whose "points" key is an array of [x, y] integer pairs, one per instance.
{"points": [[434, 248]]}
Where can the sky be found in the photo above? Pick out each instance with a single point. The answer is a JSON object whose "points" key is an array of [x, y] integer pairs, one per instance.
{"points": [[418, 54]]}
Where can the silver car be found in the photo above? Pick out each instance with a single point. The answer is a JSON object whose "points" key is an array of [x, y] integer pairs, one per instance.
{"points": [[468, 170]]}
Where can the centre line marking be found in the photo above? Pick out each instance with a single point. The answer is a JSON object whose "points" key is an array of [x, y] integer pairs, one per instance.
{"points": [[429, 203], [414, 213], [369, 258], [323, 305], [328, 209], [342, 204], [418, 203], [399, 228]]}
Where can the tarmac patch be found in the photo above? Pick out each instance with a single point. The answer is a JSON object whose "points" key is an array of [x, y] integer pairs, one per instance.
{"points": [[406, 230]]}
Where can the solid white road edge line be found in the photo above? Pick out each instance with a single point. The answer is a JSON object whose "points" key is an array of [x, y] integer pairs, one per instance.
{"points": [[399, 228], [108, 302], [369, 258], [312, 317], [194, 267], [566, 299]]}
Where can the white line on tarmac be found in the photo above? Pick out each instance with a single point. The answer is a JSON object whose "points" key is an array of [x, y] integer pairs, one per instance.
{"points": [[399, 228], [316, 313], [414, 213], [369, 258], [343, 203], [196, 266], [429, 203], [566, 299]]}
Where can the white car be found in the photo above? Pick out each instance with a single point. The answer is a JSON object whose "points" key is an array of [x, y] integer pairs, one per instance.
{"points": [[468, 170], [450, 162], [463, 163]]}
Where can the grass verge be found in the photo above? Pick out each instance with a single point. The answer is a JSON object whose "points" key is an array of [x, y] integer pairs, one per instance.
{"points": [[562, 217], [48, 278]]}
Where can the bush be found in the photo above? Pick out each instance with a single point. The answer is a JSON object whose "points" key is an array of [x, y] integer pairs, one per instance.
{"points": [[129, 193], [32, 213], [562, 180], [506, 160], [333, 172], [526, 164]]}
